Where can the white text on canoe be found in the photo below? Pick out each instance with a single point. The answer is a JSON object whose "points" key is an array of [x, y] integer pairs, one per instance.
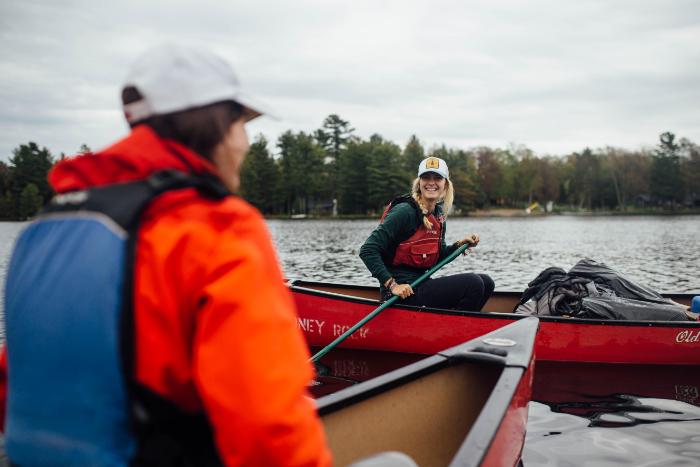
{"points": [[315, 326], [688, 336]]}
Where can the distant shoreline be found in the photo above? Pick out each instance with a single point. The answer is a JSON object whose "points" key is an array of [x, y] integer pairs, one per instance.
{"points": [[509, 213], [489, 213]]}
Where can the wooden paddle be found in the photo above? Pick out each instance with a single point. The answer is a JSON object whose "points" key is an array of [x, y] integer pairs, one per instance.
{"points": [[388, 303]]}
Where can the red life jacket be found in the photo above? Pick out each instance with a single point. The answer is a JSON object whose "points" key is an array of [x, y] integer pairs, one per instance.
{"points": [[422, 249]]}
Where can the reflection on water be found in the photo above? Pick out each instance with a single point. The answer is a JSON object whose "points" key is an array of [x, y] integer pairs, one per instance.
{"points": [[342, 368], [666, 433], [605, 414], [662, 252], [581, 414]]}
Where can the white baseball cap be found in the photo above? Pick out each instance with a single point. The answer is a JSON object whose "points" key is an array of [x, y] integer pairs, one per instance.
{"points": [[434, 164], [173, 77]]}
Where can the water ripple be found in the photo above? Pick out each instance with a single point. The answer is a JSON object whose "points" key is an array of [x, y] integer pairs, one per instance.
{"points": [[664, 435], [662, 252]]}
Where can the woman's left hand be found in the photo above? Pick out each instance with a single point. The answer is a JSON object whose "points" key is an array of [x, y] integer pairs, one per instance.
{"points": [[472, 239]]}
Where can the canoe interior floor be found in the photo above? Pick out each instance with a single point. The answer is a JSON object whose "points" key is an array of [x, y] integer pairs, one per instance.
{"points": [[500, 302], [427, 418]]}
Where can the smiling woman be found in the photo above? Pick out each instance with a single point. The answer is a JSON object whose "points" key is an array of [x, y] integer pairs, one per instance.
{"points": [[410, 239]]}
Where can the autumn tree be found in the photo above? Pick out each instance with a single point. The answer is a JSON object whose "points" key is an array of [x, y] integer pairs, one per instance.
{"points": [[489, 176]]}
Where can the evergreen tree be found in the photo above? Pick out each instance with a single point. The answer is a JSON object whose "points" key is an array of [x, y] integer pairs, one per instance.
{"points": [[690, 167], [5, 178], [7, 207], [385, 179], [666, 182], [260, 177], [352, 185], [323, 139], [302, 170], [412, 156], [333, 137], [337, 133], [29, 202], [29, 164]]}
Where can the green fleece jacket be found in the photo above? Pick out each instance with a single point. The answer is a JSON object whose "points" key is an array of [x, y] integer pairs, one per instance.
{"points": [[378, 250]]}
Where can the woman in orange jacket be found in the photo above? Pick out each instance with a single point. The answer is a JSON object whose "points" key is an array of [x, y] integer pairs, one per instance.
{"points": [[147, 318]]}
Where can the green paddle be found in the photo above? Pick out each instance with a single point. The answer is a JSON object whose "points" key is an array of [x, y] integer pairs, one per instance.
{"points": [[388, 303]]}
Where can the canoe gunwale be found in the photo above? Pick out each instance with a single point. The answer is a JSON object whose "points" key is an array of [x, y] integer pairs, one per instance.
{"points": [[512, 363], [298, 286], [484, 430]]}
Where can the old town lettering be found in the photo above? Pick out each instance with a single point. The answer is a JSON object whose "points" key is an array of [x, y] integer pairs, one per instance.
{"points": [[688, 336]]}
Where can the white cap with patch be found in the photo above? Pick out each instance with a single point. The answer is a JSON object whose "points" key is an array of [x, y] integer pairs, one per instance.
{"points": [[172, 78], [434, 164]]}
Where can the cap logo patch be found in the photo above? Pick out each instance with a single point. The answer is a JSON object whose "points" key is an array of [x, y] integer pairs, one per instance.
{"points": [[432, 163]]}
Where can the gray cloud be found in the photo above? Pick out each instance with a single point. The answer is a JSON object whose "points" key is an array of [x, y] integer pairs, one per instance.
{"points": [[555, 76]]}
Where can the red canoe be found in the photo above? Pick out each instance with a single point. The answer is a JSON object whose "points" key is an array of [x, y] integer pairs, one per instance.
{"points": [[464, 406], [327, 310], [581, 389]]}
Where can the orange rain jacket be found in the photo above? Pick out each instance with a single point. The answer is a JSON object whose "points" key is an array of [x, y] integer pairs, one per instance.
{"points": [[215, 324]]}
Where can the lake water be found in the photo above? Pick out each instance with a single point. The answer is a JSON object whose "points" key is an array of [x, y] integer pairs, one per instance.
{"points": [[581, 415], [662, 252]]}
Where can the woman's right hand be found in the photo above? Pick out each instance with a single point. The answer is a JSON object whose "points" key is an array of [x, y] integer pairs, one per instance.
{"points": [[402, 290]]}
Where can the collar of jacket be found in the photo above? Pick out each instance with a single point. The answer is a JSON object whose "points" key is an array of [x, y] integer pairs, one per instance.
{"points": [[137, 156]]}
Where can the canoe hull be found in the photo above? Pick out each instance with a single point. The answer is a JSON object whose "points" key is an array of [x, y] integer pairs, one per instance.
{"points": [[507, 445], [465, 406], [325, 316]]}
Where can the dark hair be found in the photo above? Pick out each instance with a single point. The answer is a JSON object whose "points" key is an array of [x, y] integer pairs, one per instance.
{"points": [[200, 129]]}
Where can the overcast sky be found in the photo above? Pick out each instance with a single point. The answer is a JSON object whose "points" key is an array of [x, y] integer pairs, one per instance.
{"points": [[554, 75]]}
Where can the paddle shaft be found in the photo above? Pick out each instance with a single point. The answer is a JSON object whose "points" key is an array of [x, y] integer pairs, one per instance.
{"points": [[388, 303]]}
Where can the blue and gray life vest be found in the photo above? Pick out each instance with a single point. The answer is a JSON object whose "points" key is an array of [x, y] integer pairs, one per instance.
{"points": [[72, 399]]}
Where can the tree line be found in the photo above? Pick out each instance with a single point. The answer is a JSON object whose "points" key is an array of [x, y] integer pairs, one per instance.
{"points": [[311, 173], [333, 171]]}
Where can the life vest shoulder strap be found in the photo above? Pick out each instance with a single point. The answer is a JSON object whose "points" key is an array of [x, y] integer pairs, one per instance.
{"points": [[405, 198], [125, 202]]}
